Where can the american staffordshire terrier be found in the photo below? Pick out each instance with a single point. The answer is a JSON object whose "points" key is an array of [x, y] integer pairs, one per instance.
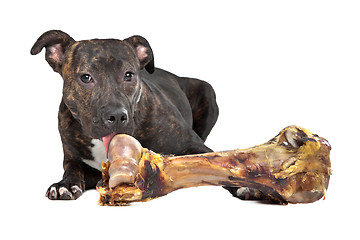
{"points": [[110, 87]]}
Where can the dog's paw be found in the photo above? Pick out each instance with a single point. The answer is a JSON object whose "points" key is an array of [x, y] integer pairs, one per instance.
{"points": [[64, 191], [245, 193]]}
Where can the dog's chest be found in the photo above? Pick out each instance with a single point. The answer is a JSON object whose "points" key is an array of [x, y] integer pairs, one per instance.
{"points": [[99, 154]]}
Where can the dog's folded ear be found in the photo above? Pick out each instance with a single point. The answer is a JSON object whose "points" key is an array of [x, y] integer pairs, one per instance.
{"points": [[56, 42], [143, 52]]}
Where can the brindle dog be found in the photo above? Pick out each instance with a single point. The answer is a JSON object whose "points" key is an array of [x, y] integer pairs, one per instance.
{"points": [[111, 86]]}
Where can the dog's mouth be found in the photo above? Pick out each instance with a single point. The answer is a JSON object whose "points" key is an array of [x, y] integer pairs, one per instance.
{"points": [[106, 140]]}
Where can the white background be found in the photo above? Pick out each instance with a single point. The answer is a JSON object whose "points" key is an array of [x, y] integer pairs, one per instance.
{"points": [[272, 64]]}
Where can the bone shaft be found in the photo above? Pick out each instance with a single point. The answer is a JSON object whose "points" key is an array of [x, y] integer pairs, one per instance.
{"points": [[237, 168], [204, 169]]}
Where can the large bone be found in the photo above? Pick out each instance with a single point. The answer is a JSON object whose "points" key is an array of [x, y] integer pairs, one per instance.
{"points": [[293, 167]]}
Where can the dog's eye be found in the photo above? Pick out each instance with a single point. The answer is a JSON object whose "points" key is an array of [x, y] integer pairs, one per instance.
{"points": [[85, 78], [128, 76]]}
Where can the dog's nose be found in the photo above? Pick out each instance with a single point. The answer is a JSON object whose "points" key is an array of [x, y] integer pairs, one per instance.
{"points": [[114, 117]]}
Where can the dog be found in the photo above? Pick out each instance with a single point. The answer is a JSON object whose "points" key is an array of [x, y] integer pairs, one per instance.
{"points": [[112, 86]]}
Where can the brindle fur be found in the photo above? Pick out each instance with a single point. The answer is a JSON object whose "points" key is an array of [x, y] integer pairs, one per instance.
{"points": [[166, 113]]}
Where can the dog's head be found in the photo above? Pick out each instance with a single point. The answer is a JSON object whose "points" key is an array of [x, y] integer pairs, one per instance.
{"points": [[101, 78]]}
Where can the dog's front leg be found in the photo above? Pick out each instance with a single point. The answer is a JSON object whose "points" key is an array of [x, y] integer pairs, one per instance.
{"points": [[78, 173], [71, 186]]}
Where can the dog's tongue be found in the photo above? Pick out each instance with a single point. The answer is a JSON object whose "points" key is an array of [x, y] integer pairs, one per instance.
{"points": [[106, 140]]}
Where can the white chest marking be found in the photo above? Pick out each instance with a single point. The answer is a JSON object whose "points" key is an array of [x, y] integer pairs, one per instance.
{"points": [[99, 154]]}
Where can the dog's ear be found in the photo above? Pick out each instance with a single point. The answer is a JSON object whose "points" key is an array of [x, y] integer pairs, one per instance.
{"points": [[56, 42], [143, 52]]}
